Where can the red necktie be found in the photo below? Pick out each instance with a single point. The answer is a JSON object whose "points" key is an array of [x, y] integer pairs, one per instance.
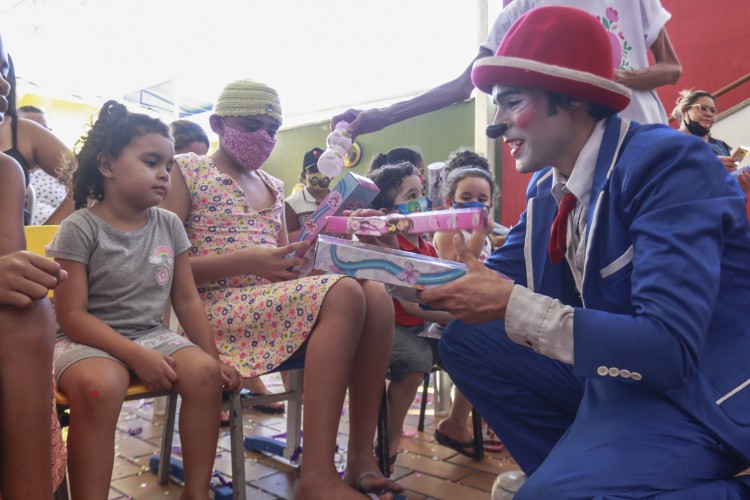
{"points": [[558, 236]]}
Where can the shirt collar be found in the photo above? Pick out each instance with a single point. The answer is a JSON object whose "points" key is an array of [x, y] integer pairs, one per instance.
{"points": [[582, 177]]}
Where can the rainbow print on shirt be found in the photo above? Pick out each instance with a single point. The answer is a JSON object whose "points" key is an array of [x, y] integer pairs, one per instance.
{"points": [[163, 257]]}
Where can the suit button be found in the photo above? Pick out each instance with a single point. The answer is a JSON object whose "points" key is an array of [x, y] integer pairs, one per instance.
{"points": [[625, 373], [635, 376], [614, 372], [603, 371]]}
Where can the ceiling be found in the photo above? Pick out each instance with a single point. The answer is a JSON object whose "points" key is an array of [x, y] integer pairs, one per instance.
{"points": [[321, 55]]}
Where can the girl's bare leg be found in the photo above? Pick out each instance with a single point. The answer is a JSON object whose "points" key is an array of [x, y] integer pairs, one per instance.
{"points": [[401, 394], [332, 351], [199, 383], [96, 389], [455, 424], [366, 388]]}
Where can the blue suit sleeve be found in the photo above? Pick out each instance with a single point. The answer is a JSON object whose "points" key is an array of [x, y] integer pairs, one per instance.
{"points": [[679, 209]]}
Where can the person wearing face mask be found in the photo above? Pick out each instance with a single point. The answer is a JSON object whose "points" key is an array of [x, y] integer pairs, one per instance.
{"points": [[262, 313], [696, 111], [300, 205], [413, 354]]}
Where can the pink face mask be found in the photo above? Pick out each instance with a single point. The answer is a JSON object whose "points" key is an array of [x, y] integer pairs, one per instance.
{"points": [[250, 149]]}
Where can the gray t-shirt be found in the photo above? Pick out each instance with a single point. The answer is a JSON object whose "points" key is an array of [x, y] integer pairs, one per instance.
{"points": [[129, 273]]}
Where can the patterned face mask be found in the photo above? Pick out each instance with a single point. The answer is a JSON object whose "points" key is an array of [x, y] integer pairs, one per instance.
{"points": [[318, 181], [471, 204], [421, 204], [250, 149]]}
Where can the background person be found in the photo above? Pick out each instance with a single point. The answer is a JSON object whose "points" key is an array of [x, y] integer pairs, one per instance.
{"points": [[189, 137], [299, 207], [696, 111], [26, 344], [634, 29], [49, 192], [30, 144]]}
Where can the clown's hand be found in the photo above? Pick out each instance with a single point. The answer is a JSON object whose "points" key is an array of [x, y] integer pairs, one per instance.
{"points": [[481, 295]]}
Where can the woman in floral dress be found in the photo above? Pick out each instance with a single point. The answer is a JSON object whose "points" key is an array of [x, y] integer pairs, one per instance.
{"points": [[262, 314]]}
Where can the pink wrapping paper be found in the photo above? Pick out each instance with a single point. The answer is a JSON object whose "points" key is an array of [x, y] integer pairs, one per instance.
{"points": [[351, 193], [416, 223]]}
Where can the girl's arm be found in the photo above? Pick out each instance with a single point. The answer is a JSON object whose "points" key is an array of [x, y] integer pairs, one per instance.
{"points": [[267, 262], [71, 307], [189, 310], [413, 309]]}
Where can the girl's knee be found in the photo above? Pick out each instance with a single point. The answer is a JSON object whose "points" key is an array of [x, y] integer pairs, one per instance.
{"points": [[96, 394], [379, 303], [346, 293], [196, 372]]}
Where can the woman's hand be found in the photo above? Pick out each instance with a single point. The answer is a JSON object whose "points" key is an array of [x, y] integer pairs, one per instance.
{"points": [[278, 264], [26, 277], [154, 369], [728, 162]]}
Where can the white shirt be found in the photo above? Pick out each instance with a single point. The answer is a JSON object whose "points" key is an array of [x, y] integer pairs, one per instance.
{"points": [[632, 26], [540, 322]]}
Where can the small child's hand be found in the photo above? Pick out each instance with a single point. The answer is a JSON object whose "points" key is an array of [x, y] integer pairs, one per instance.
{"points": [[230, 377], [155, 370]]}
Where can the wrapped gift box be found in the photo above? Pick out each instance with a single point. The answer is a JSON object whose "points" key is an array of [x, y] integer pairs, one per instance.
{"points": [[351, 193], [435, 182], [387, 265], [416, 223]]}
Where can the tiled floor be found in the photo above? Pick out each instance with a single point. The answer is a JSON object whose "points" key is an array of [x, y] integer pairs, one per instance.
{"points": [[426, 469]]}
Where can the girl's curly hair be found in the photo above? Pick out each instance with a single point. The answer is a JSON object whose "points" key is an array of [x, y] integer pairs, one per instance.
{"points": [[461, 173], [112, 131], [389, 178]]}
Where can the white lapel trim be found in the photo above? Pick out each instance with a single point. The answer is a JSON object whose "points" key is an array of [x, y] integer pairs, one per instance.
{"points": [[527, 253], [624, 126]]}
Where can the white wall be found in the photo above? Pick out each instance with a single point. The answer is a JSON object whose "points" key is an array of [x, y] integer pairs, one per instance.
{"points": [[734, 130]]}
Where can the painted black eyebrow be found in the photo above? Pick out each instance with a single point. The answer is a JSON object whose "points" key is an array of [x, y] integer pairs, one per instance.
{"points": [[497, 97]]}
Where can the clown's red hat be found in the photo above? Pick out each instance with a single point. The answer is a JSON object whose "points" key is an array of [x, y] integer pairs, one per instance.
{"points": [[558, 49]]}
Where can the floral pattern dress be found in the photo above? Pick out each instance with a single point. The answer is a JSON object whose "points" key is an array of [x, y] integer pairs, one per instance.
{"points": [[256, 324]]}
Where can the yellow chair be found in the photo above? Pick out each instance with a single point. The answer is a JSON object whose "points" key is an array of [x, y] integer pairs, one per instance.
{"points": [[37, 238]]}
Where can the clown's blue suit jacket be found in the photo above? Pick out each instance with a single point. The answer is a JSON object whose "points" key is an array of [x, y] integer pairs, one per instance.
{"points": [[666, 289]]}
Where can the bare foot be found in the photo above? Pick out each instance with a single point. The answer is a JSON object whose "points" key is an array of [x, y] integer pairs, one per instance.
{"points": [[458, 433], [366, 477], [327, 488]]}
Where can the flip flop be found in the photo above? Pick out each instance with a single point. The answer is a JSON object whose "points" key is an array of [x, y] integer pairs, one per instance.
{"points": [[268, 409], [375, 494], [455, 445], [493, 445]]}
